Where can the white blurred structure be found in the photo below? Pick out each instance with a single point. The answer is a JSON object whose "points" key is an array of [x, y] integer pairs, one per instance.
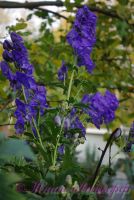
{"points": [[94, 139]]}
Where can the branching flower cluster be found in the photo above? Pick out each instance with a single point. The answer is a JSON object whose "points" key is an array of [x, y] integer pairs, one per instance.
{"points": [[101, 108], [31, 101], [18, 70], [82, 37]]}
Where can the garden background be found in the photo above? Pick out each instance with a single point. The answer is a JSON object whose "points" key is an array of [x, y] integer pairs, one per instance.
{"points": [[44, 26]]}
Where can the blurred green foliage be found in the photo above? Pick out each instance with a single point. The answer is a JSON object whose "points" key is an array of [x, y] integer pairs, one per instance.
{"points": [[113, 55], [12, 152]]}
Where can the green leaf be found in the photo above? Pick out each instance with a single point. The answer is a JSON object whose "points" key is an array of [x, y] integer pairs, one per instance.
{"points": [[15, 147], [6, 186], [41, 14], [18, 26], [29, 16], [92, 196]]}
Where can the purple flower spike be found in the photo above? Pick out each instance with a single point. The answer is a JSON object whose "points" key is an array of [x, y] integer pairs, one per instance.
{"points": [[82, 37], [16, 52]]}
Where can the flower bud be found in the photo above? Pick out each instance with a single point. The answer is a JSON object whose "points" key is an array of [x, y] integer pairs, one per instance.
{"points": [[67, 123], [76, 187], [7, 45], [117, 133], [69, 180], [76, 142], [63, 191], [57, 120], [82, 140], [7, 56], [50, 146], [76, 135], [52, 168]]}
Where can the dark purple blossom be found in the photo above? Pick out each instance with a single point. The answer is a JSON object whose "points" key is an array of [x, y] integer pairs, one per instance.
{"points": [[21, 109], [77, 124], [131, 132], [16, 52], [16, 38], [24, 113], [34, 131], [14, 83], [7, 56], [25, 80], [31, 112], [40, 95], [86, 99], [82, 37], [130, 139], [73, 122], [62, 72], [101, 108], [19, 125], [73, 112], [61, 149], [39, 98], [6, 71], [20, 114], [128, 147], [7, 45]]}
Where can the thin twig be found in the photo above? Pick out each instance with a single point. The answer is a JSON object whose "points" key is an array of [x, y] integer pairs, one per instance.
{"points": [[112, 136], [55, 13], [6, 104], [58, 3], [29, 5], [7, 124]]}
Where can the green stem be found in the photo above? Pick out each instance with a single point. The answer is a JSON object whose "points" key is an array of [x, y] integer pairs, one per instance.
{"points": [[64, 80], [24, 94], [111, 138], [96, 180], [78, 92], [70, 85], [39, 137], [58, 139]]}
